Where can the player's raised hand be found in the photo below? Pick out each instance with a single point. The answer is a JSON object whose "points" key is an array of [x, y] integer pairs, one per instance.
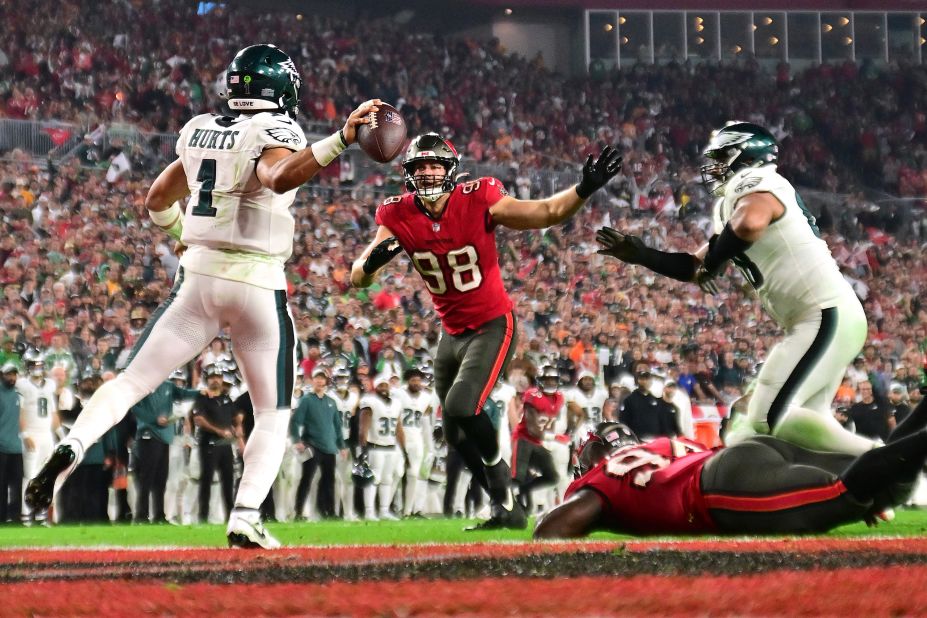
{"points": [[359, 116], [596, 174], [381, 255], [625, 247]]}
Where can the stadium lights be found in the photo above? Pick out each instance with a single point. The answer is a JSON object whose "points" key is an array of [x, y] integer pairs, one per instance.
{"points": [[844, 21], [299, 17], [699, 40], [773, 40], [625, 40], [699, 28], [609, 27], [827, 27], [847, 40], [923, 40], [768, 21], [922, 20], [622, 20], [699, 20], [755, 27], [737, 49]]}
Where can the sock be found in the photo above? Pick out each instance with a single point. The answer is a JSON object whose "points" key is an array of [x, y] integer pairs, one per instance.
{"points": [[499, 477], [915, 421], [370, 497], [263, 456], [819, 431], [898, 462]]}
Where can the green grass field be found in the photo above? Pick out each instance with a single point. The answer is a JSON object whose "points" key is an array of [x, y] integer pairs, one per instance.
{"points": [[907, 523]]}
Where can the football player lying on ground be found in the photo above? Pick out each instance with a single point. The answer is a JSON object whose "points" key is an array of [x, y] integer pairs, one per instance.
{"points": [[760, 486]]}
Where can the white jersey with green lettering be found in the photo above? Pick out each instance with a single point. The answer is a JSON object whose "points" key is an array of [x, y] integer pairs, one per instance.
{"points": [[790, 266], [234, 227]]}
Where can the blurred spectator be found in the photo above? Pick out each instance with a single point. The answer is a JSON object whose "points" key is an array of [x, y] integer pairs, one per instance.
{"points": [[871, 416]]}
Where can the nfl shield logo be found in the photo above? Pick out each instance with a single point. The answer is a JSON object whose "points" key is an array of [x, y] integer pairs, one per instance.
{"points": [[436, 227]]}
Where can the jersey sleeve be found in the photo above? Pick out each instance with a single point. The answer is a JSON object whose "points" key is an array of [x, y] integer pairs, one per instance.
{"points": [[365, 402], [756, 180], [274, 131], [182, 137]]}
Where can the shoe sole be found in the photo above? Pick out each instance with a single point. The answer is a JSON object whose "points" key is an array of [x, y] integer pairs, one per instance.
{"points": [[41, 490]]}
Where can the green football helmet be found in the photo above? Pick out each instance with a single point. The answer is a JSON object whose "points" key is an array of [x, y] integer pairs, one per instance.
{"points": [[736, 146], [262, 78]]}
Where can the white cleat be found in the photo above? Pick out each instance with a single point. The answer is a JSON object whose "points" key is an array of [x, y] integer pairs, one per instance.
{"points": [[247, 531], [387, 516]]}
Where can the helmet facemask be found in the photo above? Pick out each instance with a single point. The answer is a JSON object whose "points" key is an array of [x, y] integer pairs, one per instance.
{"points": [[430, 147], [716, 173]]}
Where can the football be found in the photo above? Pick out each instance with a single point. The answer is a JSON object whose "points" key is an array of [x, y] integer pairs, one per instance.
{"points": [[383, 138]]}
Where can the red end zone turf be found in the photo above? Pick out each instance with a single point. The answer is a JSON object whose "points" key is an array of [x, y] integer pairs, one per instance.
{"points": [[844, 592]]}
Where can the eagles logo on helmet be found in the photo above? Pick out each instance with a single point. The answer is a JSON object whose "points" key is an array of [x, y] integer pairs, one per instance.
{"points": [[263, 78], [736, 146], [361, 472], [430, 147]]}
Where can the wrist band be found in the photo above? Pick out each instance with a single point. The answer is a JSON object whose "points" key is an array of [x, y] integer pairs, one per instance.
{"points": [[327, 150], [170, 220]]}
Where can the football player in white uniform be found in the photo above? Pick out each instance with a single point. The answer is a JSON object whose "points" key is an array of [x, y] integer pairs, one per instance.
{"points": [[585, 402], [178, 455], [416, 431], [503, 395], [346, 399], [38, 424], [762, 225], [380, 433], [236, 233]]}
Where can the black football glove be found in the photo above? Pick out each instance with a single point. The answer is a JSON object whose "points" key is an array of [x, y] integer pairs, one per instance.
{"points": [[625, 247], [597, 174], [706, 280], [381, 255]]}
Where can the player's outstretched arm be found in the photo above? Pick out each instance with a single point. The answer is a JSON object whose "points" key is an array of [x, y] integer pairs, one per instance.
{"points": [[631, 249], [378, 253], [575, 518], [282, 170], [538, 214]]}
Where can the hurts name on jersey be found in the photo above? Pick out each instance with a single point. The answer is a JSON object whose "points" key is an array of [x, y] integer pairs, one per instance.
{"points": [[211, 138]]}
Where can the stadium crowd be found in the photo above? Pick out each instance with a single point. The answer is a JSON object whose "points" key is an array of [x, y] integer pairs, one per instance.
{"points": [[82, 267]]}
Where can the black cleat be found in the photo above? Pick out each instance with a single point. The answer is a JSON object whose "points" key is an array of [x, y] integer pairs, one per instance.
{"points": [[515, 519], [41, 490]]}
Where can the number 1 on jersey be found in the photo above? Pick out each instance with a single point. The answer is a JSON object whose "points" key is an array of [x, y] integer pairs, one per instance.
{"points": [[206, 176]]}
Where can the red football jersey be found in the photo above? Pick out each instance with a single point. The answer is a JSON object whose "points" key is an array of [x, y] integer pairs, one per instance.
{"points": [[550, 410], [651, 488], [455, 253]]}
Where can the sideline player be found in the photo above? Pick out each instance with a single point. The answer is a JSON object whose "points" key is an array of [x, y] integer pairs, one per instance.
{"points": [[533, 464], [38, 425], [381, 437], [416, 427], [585, 402], [762, 225], [346, 399], [448, 231], [762, 485], [243, 172]]}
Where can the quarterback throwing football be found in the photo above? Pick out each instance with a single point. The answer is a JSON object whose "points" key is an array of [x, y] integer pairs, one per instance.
{"points": [[241, 172]]}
